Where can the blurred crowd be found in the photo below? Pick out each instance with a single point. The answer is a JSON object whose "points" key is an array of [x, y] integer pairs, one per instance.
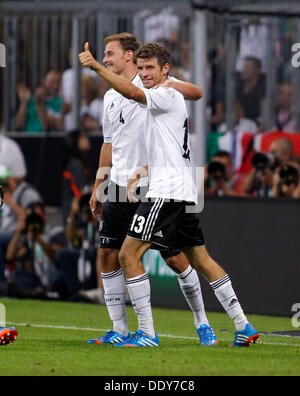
{"points": [[39, 258], [60, 261], [49, 107]]}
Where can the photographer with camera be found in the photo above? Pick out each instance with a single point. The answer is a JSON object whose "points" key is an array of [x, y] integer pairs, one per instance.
{"points": [[78, 262], [286, 181], [259, 182], [32, 250], [17, 195], [219, 175]]}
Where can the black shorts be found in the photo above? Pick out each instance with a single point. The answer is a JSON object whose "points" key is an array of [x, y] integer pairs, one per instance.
{"points": [[114, 223], [115, 220], [166, 225]]}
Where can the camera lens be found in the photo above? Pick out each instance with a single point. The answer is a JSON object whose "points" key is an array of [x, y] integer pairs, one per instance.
{"points": [[260, 161], [216, 170], [289, 175]]}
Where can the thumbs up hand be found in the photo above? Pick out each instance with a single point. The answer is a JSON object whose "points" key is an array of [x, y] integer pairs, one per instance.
{"points": [[87, 59]]}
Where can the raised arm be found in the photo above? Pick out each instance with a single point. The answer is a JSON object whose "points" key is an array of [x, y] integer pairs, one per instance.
{"points": [[188, 90], [120, 84]]}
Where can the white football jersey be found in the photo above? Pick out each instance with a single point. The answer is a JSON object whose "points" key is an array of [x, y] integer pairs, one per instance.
{"points": [[167, 143], [123, 127]]}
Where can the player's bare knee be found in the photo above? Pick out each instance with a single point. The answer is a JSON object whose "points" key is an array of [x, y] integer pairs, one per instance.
{"points": [[203, 264], [177, 263], [124, 258], [108, 259]]}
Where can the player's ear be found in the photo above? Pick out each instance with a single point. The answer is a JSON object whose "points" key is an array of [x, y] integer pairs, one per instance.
{"points": [[129, 56], [166, 69]]}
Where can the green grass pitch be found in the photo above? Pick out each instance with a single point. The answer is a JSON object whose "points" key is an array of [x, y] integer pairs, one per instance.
{"points": [[52, 342]]}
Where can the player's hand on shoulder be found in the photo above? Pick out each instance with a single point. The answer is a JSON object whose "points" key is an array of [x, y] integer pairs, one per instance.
{"points": [[166, 84]]}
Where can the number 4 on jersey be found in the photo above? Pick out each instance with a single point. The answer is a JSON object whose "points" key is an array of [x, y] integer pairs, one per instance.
{"points": [[121, 118], [186, 141]]}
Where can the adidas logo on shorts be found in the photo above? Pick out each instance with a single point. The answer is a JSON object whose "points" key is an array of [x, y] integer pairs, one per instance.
{"points": [[159, 234]]}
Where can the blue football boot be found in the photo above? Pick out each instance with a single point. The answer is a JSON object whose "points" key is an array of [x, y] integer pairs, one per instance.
{"points": [[207, 335], [246, 337], [112, 337], [140, 339]]}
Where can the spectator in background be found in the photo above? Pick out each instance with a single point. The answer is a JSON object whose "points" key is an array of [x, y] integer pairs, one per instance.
{"points": [[217, 66], [41, 112], [76, 169], [283, 48], [91, 109], [219, 174], [283, 150], [259, 182], [218, 117], [253, 41], [161, 26], [68, 81], [185, 68], [18, 194], [242, 124], [78, 262], [33, 249], [285, 120], [230, 140], [286, 182], [12, 157], [95, 295], [251, 88]]}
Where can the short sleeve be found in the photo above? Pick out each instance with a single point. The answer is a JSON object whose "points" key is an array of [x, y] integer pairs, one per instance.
{"points": [[159, 98], [106, 130], [173, 79], [106, 124]]}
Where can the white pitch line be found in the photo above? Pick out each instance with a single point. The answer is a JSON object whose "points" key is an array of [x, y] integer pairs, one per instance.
{"points": [[45, 326]]}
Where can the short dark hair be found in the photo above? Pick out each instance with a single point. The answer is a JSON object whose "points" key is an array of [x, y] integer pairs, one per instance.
{"points": [[127, 41], [222, 154], [154, 50], [255, 60], [37, 204]]}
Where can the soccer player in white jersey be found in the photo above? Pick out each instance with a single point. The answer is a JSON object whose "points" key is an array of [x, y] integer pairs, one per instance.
{"points": [[124, 151], [164, 220]]}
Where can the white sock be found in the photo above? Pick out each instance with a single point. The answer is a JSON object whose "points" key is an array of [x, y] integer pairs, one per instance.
{"points": [[140, 295], [115, 299], [228, 299], [191, 289]]}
